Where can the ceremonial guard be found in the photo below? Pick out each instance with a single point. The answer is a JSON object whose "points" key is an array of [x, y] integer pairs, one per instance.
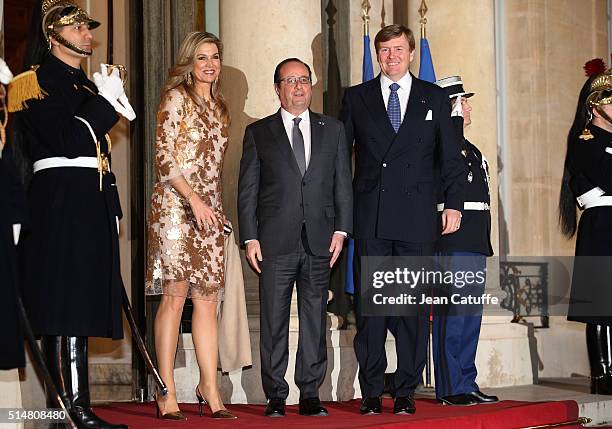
{"points": [[456, 327], [587, 184], [12, 218], [73, 283]]}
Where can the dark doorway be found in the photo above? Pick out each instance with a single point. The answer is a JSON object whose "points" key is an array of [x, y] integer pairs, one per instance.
{"points": [[17, 17]]}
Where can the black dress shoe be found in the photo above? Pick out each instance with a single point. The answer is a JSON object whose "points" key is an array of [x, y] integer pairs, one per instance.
{"points": [[312, 407], [370, 406], [463, 399], [275, 408], [404, 405], [481, 398]]}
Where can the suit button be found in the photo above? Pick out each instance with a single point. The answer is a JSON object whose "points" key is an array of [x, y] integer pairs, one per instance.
{"points": [[408, 166], [301, 205], [384, 164], [303, 183], [383, 189]]}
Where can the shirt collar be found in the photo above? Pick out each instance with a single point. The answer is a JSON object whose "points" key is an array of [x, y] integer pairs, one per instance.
{"points": [[405, 82], [288, 117]]}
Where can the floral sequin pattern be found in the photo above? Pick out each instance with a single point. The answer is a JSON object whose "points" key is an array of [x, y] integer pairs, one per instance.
{"points": [[183, 260]]}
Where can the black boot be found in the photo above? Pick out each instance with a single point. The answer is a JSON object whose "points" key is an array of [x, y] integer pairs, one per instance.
{"points": [[600, 358], [81, 410], [55, 355]]}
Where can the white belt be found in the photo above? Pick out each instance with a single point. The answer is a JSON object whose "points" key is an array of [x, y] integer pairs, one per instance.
{"points": [[470, 205], [61, 161], [594, 198]]}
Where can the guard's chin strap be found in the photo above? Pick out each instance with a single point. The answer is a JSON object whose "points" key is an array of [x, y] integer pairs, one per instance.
{"points": [[603, 114], [68, 44]]}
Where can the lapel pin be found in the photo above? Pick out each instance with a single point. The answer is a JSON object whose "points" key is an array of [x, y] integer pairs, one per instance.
{"points": [[321, 123]]}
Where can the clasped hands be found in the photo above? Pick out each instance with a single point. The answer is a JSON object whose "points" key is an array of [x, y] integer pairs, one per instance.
{"points": [[110, 86]]}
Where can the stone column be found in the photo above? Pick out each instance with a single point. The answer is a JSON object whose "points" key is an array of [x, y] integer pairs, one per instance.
{"points": [[257, 35], [462, 42], [546, 45], [543, 79]]}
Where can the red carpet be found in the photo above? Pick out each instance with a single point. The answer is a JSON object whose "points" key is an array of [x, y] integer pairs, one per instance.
{"points": [[506, 414]]}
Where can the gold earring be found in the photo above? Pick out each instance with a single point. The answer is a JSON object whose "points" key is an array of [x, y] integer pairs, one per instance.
{"points": [[189, 79]]}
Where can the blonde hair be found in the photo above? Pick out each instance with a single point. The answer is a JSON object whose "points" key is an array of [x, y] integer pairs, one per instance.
{"points": [[178, 75]]}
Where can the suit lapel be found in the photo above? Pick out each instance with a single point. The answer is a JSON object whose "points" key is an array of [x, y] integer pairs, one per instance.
{"points": [[280, 136], [416, 110], [316, 136], [374, 101]]}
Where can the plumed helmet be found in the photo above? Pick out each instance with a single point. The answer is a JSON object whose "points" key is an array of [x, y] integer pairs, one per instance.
{"points": [[60, 13], [600, 92]]}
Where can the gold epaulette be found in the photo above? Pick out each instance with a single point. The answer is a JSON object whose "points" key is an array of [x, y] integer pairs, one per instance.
{"points": [[22, 88]]}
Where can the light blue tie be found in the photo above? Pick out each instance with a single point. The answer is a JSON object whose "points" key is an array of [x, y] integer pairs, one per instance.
{"points": [[393, 107]]}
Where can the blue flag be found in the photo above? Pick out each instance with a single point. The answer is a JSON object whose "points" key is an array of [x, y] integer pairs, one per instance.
{"points": [[367, 73], [426, 68]]}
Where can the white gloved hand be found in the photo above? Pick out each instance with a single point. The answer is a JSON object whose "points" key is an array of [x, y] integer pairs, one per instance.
{"points": [[128, 111], [5, 73], [457, 107], [16, 233], [111, 88]]}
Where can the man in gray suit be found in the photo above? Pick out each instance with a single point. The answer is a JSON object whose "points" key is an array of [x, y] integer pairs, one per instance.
{"points": [[295, 210]]}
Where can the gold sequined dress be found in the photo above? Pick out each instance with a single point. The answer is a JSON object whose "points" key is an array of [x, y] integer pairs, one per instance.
{"points": [[183, 260]]}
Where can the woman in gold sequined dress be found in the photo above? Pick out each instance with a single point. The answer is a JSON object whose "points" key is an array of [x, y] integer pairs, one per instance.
{"points": [[185, 230]]}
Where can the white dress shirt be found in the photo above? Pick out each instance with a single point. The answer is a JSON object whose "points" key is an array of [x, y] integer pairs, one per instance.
{"points": [[403, 92], [304, 128]]}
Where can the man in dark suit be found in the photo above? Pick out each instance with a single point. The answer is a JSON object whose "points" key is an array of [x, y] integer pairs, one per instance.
{"points": [[405, 147], [295, 210]]}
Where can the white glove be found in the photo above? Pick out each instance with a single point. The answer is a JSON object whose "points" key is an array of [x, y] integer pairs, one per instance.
{"points": [[111, 88], [5, 73], [457, 107], [16, 233]]}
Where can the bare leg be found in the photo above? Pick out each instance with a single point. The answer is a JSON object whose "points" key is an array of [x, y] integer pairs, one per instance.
{"points": [[167, 321], [205, 339]]}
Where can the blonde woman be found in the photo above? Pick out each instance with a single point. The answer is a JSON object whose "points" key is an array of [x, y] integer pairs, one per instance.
{"points": [[186, 224]]}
